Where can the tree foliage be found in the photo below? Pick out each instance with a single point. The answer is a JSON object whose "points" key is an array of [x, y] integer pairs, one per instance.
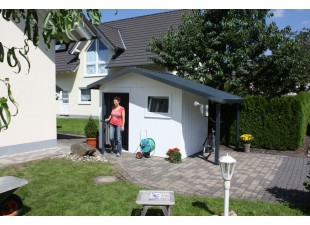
{"points": [[233, 50], [57, 25], [304, 39]]}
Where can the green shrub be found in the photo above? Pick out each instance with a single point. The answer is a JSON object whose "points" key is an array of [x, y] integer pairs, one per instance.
{"points": [[91, 129], [279, 123]]}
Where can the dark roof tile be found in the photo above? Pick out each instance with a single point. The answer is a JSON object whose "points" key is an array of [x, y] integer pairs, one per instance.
{"points": [[136, 33], [64, 60]]}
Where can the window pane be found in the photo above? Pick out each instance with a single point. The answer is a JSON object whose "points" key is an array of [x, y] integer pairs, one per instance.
{"points": [[103, 52], [85, 95], [158, 104], [91, 53], [102, 69], [91, 69]]}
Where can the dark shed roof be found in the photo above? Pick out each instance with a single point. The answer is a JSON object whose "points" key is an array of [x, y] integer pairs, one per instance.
{"points": [[134, 34], [175, 81], [66, 61]]}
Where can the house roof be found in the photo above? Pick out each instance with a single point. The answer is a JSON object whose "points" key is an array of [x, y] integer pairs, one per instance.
{"points": [[134, 35], [113, 35], [129, 37], [175, 81], [66, 61]]}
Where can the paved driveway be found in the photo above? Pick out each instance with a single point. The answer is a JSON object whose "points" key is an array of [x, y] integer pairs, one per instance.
{"points": [[257, 176]]}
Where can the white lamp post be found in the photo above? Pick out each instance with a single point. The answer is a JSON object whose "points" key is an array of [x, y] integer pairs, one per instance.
{"points": [[227, 164]]}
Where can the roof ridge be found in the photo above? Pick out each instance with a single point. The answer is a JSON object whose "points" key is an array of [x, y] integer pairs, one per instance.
{"points": [[172, 10]]}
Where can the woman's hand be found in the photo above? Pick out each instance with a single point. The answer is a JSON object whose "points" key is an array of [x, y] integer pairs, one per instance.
{"points": [[123, 128]]}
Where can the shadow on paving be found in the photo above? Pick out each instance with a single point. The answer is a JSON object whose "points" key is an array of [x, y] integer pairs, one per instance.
{"points": [[294, 198]]}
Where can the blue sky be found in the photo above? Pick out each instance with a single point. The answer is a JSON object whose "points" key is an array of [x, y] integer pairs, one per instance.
{"points": [[295, 18]]}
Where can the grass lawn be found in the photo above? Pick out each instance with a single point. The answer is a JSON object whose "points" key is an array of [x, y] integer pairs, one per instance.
{"points": [[59, 187], [72, 125]]}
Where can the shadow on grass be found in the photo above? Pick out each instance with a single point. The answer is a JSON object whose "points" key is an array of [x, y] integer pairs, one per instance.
{"points": [[150, 212], [294, 198], [203, 206], [26, 209]]}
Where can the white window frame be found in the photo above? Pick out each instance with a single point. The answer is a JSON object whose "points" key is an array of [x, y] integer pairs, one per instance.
{"points": [[80, 97], [97, 62], [148, 114]]}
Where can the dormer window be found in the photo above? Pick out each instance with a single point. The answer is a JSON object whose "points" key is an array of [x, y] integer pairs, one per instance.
{"points": [[96, 59]]}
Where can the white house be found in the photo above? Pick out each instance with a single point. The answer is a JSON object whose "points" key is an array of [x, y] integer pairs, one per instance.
{"points": [[77, 65], [121, 43], [34, 127]]}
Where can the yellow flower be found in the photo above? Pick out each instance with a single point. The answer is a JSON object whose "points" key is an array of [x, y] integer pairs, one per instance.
{"points": [[247, 138]]}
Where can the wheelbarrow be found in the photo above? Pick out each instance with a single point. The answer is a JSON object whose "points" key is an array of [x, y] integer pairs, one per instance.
{"points": [[10, 204]]}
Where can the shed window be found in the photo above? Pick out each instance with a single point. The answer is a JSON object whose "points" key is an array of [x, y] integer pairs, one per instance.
{"points": [[158, 104]]}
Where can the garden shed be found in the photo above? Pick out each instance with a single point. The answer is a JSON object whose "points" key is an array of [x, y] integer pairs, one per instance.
{"points": [[172, 110]]}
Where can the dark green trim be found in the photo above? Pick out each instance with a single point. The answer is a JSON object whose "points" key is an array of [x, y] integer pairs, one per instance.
{"points": [[237, 126], [217, 133]]}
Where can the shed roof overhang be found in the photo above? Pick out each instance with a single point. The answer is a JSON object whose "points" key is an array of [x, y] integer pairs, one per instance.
{"points": [[213, 94]]}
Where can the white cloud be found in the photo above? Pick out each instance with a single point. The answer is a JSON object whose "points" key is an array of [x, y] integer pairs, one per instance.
{"points": [[278, 13], [305, 22]]}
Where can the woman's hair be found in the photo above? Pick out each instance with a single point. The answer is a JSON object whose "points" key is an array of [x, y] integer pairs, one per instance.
{"points": [[117, 98]]}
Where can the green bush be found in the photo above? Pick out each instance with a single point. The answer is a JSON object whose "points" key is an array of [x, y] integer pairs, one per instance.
{"points": [[91, 129], [279, 123]]}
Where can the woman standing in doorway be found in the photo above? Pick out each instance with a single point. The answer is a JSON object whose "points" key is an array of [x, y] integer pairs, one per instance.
{"points": [[117, 125]]}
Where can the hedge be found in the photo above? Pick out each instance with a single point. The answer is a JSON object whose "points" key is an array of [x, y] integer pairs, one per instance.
{"points": [[279, 123]]}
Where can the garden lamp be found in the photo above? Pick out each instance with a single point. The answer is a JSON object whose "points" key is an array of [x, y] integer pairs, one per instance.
{"points": [[227, 164]]}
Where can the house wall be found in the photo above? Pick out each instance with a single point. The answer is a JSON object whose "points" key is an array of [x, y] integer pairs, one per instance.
{"points": [[72, 82], [194, 122], [166, 131], [35, 125]]}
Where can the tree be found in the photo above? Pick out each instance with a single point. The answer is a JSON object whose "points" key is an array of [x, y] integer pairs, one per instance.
{"points": [[304, 39], [232, 50], [57, 25]]}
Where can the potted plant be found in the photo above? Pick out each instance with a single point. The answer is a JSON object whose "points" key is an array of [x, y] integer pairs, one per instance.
{"points": [[91, 132], [174, 155], [246, 139]]}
